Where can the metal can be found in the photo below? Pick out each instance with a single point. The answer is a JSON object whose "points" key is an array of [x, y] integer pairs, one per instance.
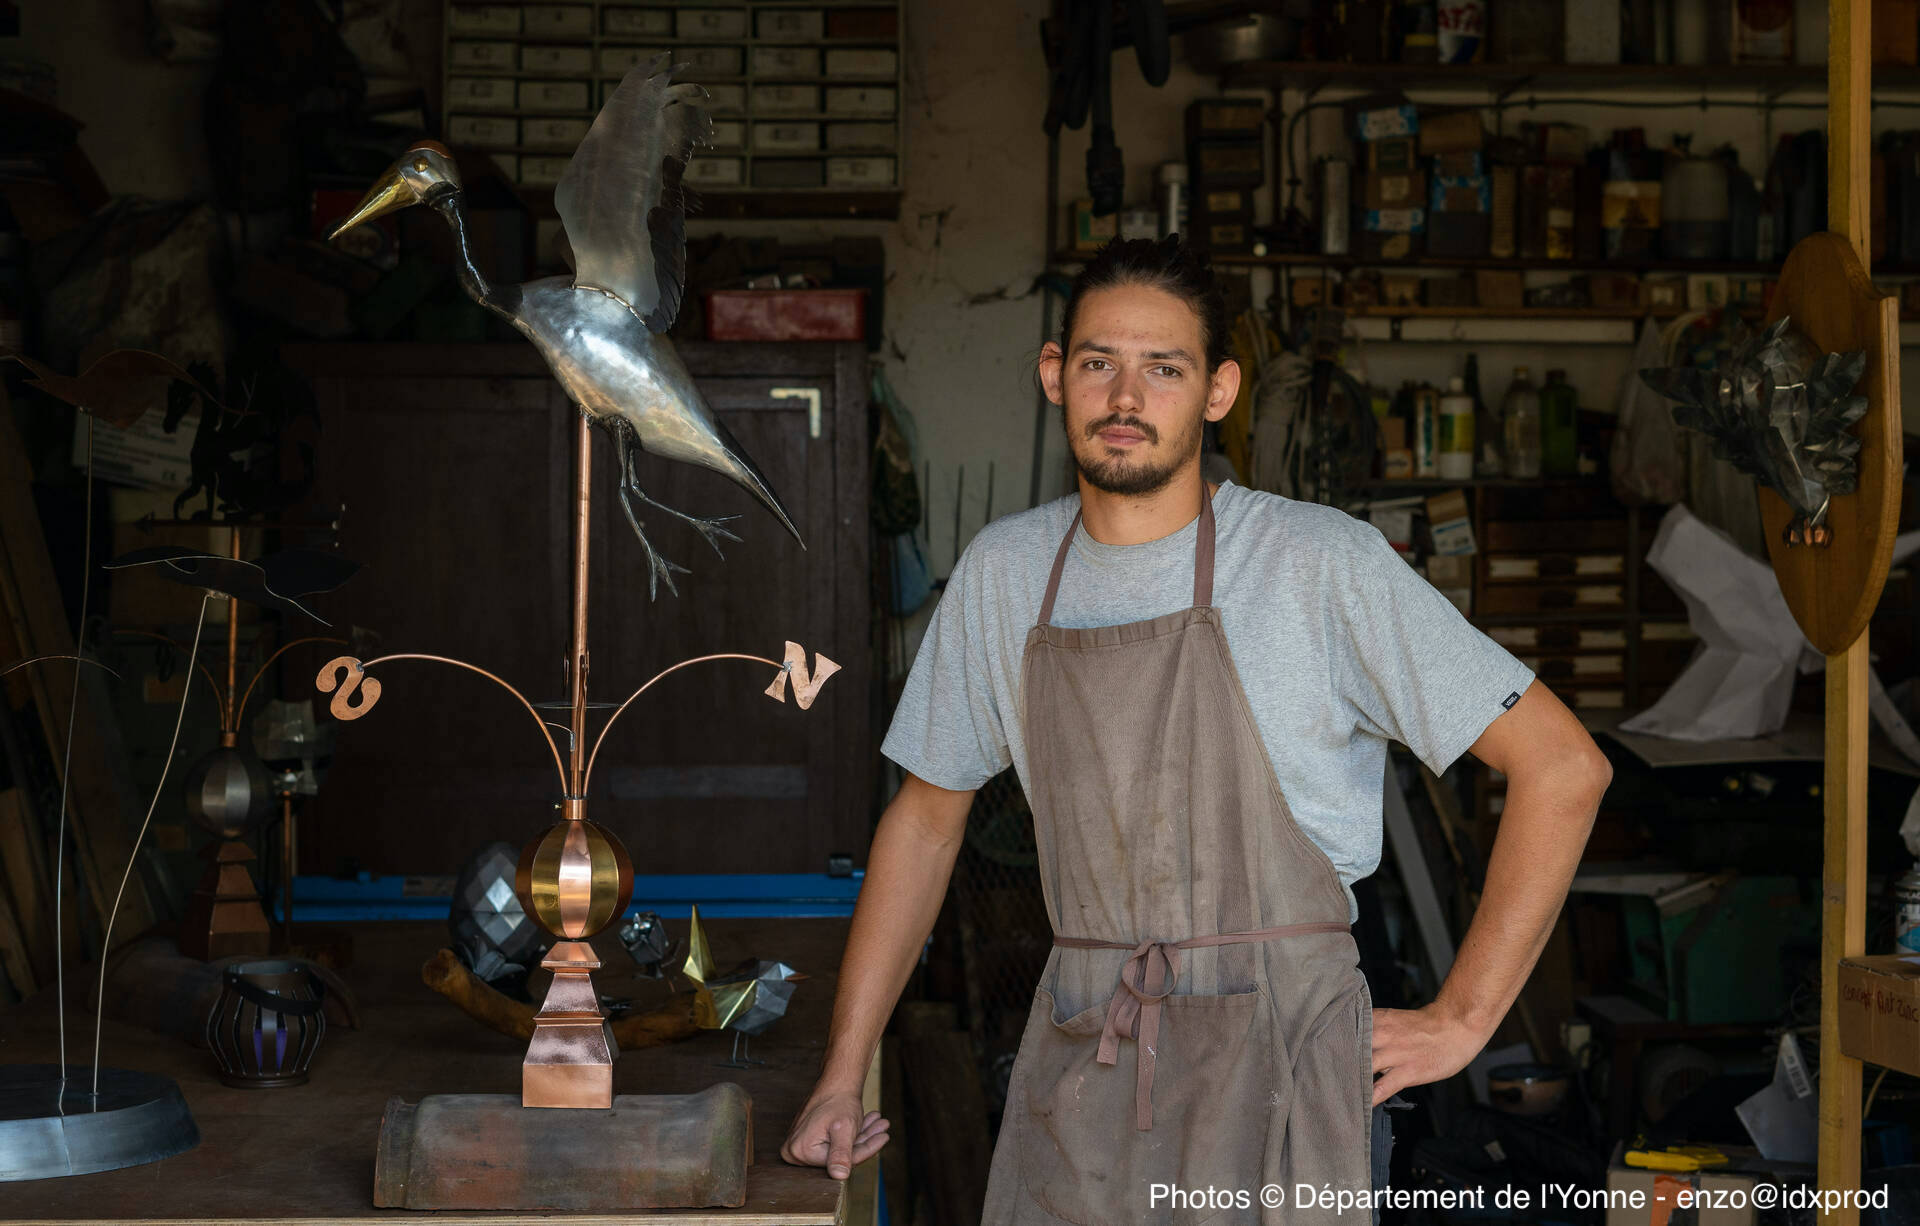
{"points": [[1906, 913]]}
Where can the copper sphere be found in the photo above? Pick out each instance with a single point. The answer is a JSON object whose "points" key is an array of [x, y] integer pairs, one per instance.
{"points": [[575, 879], [228, 792]]}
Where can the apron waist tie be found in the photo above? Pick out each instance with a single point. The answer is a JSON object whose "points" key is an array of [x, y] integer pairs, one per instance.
{"points": [[1135, 1007]]}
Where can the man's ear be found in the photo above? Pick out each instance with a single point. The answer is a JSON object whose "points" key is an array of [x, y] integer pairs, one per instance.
{"points": [[1223, 390], [1052, 370]]}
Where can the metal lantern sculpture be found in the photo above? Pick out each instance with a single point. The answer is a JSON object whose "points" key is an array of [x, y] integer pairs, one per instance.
{"points": [[229, 790], [267, 1024], [492, 933], [602, 333], [1778, 410]]}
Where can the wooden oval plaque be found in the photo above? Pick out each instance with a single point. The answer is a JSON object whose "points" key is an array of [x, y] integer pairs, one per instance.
{"points": [[1833, 588]]}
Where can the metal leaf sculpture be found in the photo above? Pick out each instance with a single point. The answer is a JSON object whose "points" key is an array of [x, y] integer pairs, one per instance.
{"points": [[276, 581], [118, 388], [1777, 409]]}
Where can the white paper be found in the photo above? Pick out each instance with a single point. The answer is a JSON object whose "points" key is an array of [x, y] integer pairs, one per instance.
{"points": [[1740, 680], [1781, 1118]]}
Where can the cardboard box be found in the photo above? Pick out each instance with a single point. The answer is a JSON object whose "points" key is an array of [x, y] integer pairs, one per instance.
{"points": [[1227, 163], [1453, 132], [1449, 291], [1563, 142], [1387, 121], [1449, 523], [1224, 203], [1394, 221], [1880, 1010], [1614, 290], [1461, 194], [1225, 118], [1378, 246], [1663, 293], [1499, 288], [1504, 232], [1400, 289], [1454, 165], [1657, 1193], [1449, 570], [1394, 189], [1399, 153]]}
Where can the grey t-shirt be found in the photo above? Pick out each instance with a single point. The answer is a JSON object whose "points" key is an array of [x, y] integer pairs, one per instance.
{"points": [[1340, 646]]}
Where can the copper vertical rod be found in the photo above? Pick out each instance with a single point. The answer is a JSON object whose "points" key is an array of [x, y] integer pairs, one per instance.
{"points": [[577, 671], [231, 731]]}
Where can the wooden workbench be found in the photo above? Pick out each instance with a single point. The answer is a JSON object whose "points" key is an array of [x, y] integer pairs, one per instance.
{"points": [[305, 1154]]}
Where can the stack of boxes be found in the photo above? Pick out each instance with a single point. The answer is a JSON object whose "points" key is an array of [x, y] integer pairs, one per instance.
{"points": [[1392, 196], [1226, 167], [1460, 203]]}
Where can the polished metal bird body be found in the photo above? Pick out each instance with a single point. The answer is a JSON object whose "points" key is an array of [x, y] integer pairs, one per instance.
{"points": [[602, 331]]}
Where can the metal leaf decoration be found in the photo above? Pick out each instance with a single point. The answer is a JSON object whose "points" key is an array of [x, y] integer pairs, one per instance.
{"points": [[1777, 409]]}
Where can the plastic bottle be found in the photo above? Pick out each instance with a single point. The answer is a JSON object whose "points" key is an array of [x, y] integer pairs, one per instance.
{"points": [[1173, 198], [1488, 458], [1520, 412], [1426, 431], [1559, 431], [1454, 457]]}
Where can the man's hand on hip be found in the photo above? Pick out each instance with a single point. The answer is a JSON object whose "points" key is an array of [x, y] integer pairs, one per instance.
{"points": [[1412, 1047], [830, 1131]]}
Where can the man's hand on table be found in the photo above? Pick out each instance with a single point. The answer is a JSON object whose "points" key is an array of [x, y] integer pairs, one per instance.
{"points": [[830, 1131]]}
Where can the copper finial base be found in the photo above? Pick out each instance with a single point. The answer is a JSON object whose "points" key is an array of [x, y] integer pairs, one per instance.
{"points": [[570, 1059], [223, 916]]}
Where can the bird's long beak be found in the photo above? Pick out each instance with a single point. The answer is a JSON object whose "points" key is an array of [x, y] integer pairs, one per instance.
{"points": [[389, 195]]}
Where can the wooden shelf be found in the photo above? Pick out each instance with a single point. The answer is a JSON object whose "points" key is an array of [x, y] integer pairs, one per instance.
{"points": [[1300, 259], [1503, 79]]}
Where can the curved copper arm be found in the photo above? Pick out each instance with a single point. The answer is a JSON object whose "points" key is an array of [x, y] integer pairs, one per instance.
{"points": [[472, 668], [219, 695], [58, 655], [240, 712], [729, 655]]}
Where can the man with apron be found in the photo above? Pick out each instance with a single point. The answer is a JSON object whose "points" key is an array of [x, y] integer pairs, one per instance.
{"points": [[1196, 684]]}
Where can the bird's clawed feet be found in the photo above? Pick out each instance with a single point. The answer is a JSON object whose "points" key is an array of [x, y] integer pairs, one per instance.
{"points": [[659, 569]]}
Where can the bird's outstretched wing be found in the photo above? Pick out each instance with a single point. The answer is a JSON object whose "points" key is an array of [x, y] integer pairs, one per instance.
{"points": [[621, 200]]}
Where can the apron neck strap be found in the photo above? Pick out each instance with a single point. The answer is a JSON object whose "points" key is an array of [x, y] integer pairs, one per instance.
{"points": [[1202, 560]]}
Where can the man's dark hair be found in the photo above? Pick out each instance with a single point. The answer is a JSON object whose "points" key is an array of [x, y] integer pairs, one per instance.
{"points": [[1164, 264]]}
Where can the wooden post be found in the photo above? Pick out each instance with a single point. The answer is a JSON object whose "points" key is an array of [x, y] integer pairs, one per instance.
{"points": [[1843, 877]]}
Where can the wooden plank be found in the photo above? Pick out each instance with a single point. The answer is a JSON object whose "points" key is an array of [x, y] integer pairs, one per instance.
{"points": [[1843, 912], [32, 597], [863, 1186], [1844, 873]]}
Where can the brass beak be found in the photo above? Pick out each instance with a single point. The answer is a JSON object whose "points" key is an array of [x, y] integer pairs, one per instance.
{"points": [[389, 195]]}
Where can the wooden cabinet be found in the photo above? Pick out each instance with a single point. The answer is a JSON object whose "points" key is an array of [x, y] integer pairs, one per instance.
{"points": [[455, 466]]}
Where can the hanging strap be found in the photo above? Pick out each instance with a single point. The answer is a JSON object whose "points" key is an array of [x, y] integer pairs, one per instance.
{"points": [[1134, 1010], [1202, 560]]}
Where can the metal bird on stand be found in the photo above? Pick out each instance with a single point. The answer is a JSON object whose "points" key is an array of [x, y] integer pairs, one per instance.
{"points": [[600, 332], [603, 330]]}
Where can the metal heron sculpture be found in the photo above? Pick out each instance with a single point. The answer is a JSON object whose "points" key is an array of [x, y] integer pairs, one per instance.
{"points": [[603, 330]]}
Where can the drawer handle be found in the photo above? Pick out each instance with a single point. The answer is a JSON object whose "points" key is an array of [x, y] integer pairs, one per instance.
{"points": [[809, 394]]}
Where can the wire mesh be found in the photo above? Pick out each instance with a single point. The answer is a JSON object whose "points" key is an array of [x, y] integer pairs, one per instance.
{"points": [[1004, 932]]}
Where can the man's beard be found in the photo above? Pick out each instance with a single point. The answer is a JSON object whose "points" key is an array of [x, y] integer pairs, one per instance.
{"points": [[1123, 474]]}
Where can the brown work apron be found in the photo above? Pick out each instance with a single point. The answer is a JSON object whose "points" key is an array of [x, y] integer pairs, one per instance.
{"points": [[1201, 1021]]}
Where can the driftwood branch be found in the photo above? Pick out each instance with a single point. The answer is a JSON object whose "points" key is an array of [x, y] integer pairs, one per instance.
{"points": [[668, 1022]]}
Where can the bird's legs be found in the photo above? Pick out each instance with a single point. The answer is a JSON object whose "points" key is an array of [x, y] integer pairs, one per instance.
{"points": [[708, 528], [658, 568]]}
